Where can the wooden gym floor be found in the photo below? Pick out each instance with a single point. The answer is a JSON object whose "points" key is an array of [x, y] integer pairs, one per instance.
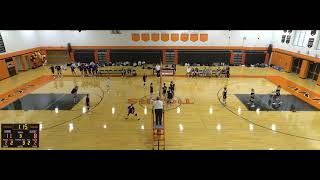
{"points": [[194, 127]]}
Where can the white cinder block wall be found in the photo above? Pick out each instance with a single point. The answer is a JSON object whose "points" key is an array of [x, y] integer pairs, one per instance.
{"points": [[303, 50], [21, 40]]}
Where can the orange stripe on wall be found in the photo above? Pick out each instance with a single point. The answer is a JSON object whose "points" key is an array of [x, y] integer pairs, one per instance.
{"points": [[231, 57], [108, 56], [176, 56], [266, 59], [243, 58], [72, 56], [96, 58]]}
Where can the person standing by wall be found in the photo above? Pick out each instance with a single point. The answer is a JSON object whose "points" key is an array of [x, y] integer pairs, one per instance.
{"points": [[158, 70]]}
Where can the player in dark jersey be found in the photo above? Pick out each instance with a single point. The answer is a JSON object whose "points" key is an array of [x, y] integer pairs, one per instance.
{"points": [[164, 90], [276, 98], [251, 99], [169, 96], [228, 72], [73, 69], [144, 77], [151, 90], [58, 68], [52, 70], [85, 69], [88, 102], [131, 110], [224, 95], [172, 87], [80, 67], [89, 67], [96, 68], [74, 92]]}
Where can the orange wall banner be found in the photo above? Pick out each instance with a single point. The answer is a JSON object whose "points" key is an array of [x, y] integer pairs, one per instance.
{"points": [[165, 37], [194, 37], [282, 60], [24, 63], [184, 37], [145, 36], [203, 37], [3, 70], [135, 37], [304, 69], [155, 36], [174, 37]]}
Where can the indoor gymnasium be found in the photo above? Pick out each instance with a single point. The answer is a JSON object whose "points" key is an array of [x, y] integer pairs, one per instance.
{"points": [[160, 89]]}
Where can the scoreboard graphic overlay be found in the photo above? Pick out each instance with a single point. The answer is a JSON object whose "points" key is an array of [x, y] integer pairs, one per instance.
{"points": [[19, 135]]}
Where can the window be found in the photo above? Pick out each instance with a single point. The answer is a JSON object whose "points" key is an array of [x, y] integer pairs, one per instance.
{"points": [[2, 48], [296, 65], [313, 71], [300, 38]]}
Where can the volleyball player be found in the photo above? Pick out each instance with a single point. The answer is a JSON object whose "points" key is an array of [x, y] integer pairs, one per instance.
{"points": [[85, 69], [151, 90], [169, 96], [131, 110], [52, 70], [89, 69], [224, 95], [96, 68], [72, 69], [74, 92], [277, 96], [172, 87], [158, 70], [88, 102], [58, 67], [144, 77], [108, 83], [251, 99], [123, 73], [228, 72], [80, 67], [164, 90]]}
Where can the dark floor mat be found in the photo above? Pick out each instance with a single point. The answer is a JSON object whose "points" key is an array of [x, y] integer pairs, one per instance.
{"points": [[264, 102], [44, 102]]}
